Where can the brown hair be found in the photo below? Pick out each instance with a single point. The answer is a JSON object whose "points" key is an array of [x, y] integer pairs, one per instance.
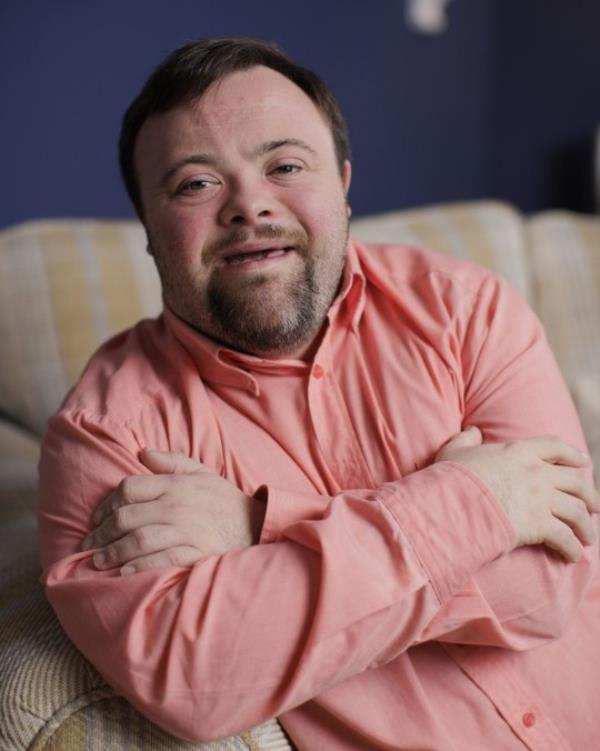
{"points": [[188, 71]]}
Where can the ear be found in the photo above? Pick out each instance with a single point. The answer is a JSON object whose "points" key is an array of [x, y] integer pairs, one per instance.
{"points": [[346, 176]]}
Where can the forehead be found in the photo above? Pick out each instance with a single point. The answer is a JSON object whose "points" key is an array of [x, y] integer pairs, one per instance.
{"points": [[255, 91], [240, 108]]}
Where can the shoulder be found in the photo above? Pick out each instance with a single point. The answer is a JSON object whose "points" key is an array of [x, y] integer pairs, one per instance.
{"points": [[126, 373], [437, 289], [411, 266], [427, 285]]}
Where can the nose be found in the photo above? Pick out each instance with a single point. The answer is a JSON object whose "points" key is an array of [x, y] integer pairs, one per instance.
{"points": [[248, 202]]}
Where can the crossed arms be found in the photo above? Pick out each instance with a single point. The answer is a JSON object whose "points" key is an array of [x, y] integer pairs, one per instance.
{"points": [[428, 556]]}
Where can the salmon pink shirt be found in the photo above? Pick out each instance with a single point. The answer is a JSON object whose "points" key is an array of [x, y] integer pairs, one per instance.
{"points": [[384, 607]]}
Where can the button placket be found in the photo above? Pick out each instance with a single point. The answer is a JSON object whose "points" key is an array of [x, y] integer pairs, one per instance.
{"points": [[335, 435]]}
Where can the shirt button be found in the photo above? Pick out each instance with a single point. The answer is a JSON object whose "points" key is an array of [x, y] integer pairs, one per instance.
{"points": [[528, 719], [318, 371]]}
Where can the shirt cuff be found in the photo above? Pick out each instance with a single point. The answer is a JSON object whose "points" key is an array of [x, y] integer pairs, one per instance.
{"points": [[285, 508], [452, 521]]}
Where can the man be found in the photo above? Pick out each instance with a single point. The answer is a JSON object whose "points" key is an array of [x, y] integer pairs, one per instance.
{"points": [[264, 503]]}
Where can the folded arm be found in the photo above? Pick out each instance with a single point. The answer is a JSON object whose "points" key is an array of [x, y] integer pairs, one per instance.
{"points": [[209, 650]]}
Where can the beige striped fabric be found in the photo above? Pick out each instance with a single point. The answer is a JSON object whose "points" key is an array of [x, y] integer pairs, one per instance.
{"points": [[564, 253], [52, 699], [488, 233], [65, 287]]}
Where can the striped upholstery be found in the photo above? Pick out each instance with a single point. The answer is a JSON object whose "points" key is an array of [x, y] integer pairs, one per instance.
{"points": [[564, 253], [65, 286]]}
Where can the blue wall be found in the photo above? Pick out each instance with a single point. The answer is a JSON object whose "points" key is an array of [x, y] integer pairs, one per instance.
{"points": [[546, 102], [431, 119]]}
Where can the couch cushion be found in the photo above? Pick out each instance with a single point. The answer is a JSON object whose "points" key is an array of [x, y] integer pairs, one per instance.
{"points": [[65, 287], [564, 251], [52, 699], [486, 232]]}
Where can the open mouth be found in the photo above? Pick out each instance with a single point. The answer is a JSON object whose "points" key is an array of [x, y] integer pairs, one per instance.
{"points": [[252, 256]]}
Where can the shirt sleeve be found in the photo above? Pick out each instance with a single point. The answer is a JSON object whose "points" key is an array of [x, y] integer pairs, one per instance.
{"points": [[511, 389], [210, 650]]}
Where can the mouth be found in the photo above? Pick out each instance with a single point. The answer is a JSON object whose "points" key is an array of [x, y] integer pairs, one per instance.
{"points": [[252, 254]]}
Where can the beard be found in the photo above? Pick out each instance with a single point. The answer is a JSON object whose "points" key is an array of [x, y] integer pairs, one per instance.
{"points": [[259, 321], [264, 314]]}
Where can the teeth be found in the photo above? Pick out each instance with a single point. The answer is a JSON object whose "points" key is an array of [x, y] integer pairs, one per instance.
{"points": [[255, 256]]}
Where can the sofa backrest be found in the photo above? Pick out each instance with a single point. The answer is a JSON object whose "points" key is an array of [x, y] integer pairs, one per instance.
{"points": [[65, 287]]}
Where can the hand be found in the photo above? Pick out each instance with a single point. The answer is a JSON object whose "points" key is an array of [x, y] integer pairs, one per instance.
{"points": [[537, 482], [174, 517]]}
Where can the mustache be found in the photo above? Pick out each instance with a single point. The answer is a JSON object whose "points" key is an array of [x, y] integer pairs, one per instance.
{"points": [[265, 232]]}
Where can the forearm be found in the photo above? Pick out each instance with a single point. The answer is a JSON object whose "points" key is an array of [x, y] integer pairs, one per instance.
{"points": [[252, 633]]}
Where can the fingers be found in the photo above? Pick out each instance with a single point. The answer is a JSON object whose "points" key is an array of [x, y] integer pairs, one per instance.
{"points": [[570, 527], [573, 483], [560, 537], [141, 488], [134, 489], [552, 449], [574, 513], [145, 541], [168, 462], [125, 519], [181, 555]]}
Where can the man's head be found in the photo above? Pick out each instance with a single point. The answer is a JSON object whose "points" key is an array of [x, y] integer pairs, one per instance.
{"points": [[236, 161]]}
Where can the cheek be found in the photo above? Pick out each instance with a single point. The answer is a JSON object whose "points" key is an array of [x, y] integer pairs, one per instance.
{"points": [[182, 233], [321, 212]]}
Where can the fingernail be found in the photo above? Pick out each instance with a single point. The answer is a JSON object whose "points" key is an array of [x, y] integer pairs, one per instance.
{"points": [[99, 559], [126, 570]]}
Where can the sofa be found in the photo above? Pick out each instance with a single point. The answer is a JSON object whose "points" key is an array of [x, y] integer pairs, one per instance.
{"points": [[66, 285]]}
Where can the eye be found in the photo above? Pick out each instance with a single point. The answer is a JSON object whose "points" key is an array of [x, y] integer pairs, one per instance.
{"points": [[197, 185], [286, 169]]}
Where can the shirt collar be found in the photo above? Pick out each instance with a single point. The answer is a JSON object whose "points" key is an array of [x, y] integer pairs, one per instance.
{"points": [[217, 363]]}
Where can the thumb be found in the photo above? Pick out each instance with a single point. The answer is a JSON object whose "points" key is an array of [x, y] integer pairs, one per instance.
{"points": [[467, 438], [168, 462]]}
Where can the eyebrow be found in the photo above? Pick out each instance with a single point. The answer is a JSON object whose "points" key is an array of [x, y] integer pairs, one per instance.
{"points": [[266, 148], [262, 150]]}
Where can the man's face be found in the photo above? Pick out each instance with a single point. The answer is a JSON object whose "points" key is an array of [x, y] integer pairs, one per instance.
{"points": [[246, 212]]}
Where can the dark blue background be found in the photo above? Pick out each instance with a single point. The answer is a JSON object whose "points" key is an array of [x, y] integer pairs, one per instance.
{"points": [[502, 105]]}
